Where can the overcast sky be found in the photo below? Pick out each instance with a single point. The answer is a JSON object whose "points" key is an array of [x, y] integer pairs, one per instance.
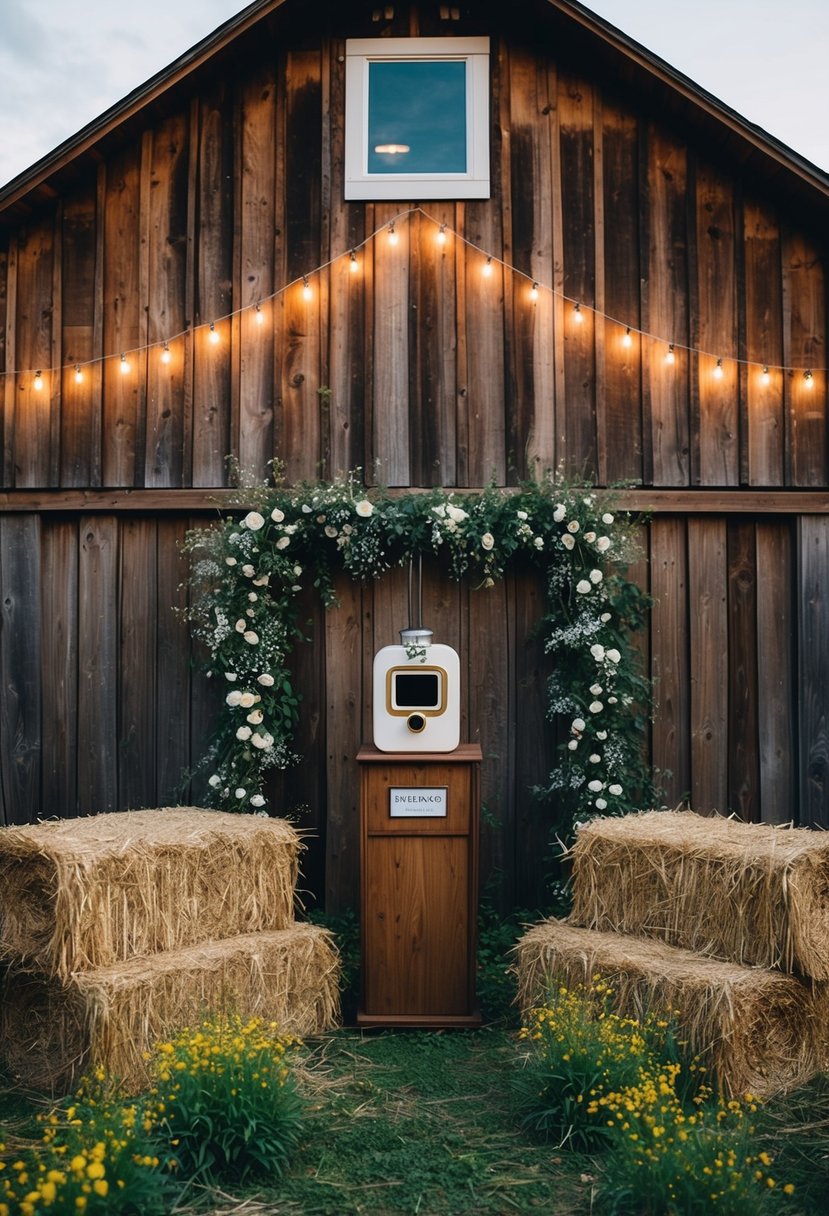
{"points": [[63, 62]]}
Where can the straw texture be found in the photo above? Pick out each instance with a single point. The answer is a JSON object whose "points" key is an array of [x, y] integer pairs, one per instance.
{"points": [[749, 893], [51, 1032], [759, 1031], [78, 894]]}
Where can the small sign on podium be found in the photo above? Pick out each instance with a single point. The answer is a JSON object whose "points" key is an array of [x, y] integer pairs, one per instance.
{"points": [[417, 803]]}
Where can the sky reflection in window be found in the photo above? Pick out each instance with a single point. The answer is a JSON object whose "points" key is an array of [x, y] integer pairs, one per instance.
{"points": [[417, 117]]}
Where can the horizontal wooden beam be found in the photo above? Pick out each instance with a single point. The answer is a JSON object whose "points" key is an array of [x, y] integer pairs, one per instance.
{"points": [[714, 501]]}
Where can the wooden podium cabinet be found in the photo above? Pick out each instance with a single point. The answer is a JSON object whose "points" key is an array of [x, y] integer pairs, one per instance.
{"points": [[419, 818]]}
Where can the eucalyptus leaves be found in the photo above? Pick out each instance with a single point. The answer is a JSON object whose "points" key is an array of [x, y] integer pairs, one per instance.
{"points": [[246, 574]]}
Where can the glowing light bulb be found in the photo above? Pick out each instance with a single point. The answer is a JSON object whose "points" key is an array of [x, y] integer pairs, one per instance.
{"points": [[534, 292], [578, 315], [765, 375], [627, 337], [808, 380], [718, 370], [213, 336], [441, 236], [670, 354], [78, 374], [259, 315], [124, 365], [393, 236], [165, 355], [354, 264], [487, 268], [38, 380]]}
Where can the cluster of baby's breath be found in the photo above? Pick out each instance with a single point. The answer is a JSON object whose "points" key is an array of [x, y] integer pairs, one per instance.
{"points": [[248, 572]]}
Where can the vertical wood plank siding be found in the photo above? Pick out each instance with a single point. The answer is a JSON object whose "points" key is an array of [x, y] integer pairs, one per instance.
{"points": [[423, 371]]}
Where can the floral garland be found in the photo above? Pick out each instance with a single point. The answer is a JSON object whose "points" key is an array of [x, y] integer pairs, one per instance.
{"points": [[246, 575]]}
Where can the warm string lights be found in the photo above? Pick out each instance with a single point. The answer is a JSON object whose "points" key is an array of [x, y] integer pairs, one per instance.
{"points": [[578, 313]]}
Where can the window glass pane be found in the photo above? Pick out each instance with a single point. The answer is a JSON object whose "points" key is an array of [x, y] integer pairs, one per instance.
{"points": [[417, 117]]}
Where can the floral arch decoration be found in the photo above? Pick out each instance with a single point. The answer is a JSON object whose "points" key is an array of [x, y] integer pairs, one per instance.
{"points": [[247, 573]]}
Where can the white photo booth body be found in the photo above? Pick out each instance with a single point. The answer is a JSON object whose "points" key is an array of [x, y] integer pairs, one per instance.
{"points": [[416, 695]]}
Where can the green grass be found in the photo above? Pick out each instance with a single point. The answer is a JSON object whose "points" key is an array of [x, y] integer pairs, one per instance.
{"points": [[412, 1122]]}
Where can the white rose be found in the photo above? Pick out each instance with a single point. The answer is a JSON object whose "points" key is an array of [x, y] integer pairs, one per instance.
{"points": [[590, 537], [594, 758], [243, 733], [248, 570], [241, 625], [490, 582], [568, 541], [578, 724], [600, 804], [263, 742], [231, 675], [607, 518], [251, 612], [440, 510], [595, 689], [255, 717], [283, 542], [330, 531], [234, 698], [246, 700], [215, 780], [573, 744], [252, 597], [251, 637], [615, 790], [612, 700], [456, 513], [257, 800], [583, 586], [297, 571], [240, 793], [364, 508], [230, 561], [613, 655], [277, 516], [603, 544], [595, 707], [559, 513], [266, 680], [262, 581], [596, 576], [597, 651], [595, 787], [604, 618], [487, 540], [538, 541], [601, 734], [573, 525], [522, 514], [254, 521], [306, 510]]}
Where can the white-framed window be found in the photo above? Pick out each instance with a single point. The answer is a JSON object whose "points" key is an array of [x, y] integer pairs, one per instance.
{"points": [[417, 118]]}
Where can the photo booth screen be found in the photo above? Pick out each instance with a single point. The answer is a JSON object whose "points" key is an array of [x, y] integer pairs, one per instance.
{"points": [[416, 690]]}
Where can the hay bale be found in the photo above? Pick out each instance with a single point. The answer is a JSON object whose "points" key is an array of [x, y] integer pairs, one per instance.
{"points": [[747, 892], [51, 1033], [759, 1031], [79, 894]]}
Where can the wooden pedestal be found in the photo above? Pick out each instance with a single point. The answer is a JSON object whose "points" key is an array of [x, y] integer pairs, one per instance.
{"points": [[419, 888]]}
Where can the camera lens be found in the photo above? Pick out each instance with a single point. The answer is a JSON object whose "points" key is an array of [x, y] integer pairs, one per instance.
{"points": [[416, 723]]}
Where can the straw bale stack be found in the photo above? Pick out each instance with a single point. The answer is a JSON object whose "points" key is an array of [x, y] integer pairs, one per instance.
{"points": [[745, 892], [53, 1032], [79, 894], [757, 1029]]}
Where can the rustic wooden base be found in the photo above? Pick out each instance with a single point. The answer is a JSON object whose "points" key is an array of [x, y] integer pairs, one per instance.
{"points": [[420, 1022], [419, 891]]}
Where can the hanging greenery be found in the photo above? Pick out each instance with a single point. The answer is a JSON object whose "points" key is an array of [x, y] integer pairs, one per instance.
{"points": [[247, 574]]}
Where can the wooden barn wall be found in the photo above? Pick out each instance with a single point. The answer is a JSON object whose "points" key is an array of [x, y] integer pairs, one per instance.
{"points": [[423, 372]]}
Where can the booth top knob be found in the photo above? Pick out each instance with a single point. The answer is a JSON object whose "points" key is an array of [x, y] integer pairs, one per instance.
{"points": [[416, 637]]}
